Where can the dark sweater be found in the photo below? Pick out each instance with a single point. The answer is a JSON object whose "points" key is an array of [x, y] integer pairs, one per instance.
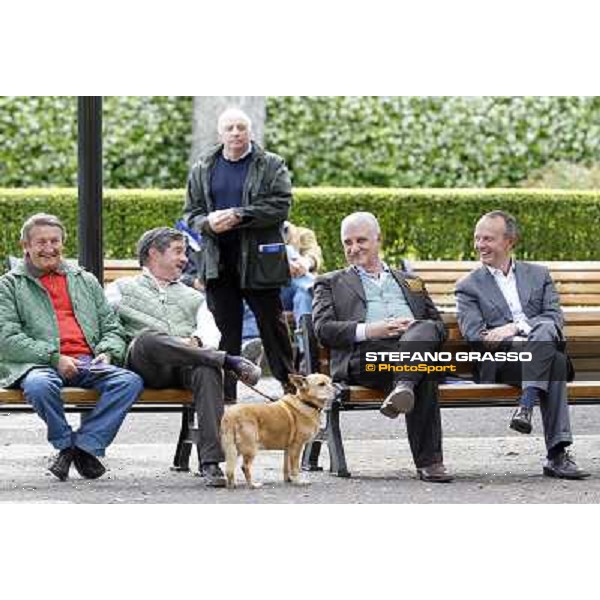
{"points": [[226, 188]]}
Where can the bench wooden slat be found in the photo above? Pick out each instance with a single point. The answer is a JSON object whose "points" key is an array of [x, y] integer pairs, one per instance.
{"points": [[468, 265], [79, 396], [446, 288], [110, 276], [481, 392], [121, 263]]}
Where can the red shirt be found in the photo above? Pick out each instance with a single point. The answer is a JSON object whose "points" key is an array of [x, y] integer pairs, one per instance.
{"points": [[72, 340]]}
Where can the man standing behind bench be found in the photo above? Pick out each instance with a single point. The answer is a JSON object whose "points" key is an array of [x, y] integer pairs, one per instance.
{"points": [[372, 307], [238, 197], [56, 329], [505, 301], [174, 338]]}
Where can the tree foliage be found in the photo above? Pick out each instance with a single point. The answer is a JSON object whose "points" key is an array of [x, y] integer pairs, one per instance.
{"points": [[338, 140], [430, 141]]}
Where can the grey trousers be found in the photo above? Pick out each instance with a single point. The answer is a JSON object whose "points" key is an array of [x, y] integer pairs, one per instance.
{"points": [[547, 372], [424, 422], [166, 361]]}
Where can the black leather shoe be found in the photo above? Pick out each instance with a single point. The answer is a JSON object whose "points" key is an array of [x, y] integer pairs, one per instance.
{"points": [[62, 463], [247, 372], [212, 476], [563, 466], [521, 420], [400, 400], [435, 473], [88, 465]]}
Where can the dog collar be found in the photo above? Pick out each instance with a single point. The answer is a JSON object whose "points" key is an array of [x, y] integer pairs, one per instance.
{"points": [[315, 406]]}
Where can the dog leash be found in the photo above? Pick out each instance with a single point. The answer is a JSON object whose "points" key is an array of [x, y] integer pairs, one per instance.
{"points": [[276, 399], [254, 389]]}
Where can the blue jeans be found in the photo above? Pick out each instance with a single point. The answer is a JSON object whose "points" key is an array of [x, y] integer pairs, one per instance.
{"points": [[297, 296], [249, 325], [118, 389]]}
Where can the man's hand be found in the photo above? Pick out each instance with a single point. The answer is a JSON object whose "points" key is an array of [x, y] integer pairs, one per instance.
{"points": [[67, 367], [101, 358], [492, 337], [198, 285], [388, 328], [297, 268], [223, 220]]}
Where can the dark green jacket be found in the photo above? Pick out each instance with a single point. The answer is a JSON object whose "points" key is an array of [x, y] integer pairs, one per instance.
{"points": [[266, 201], [29, 329]]}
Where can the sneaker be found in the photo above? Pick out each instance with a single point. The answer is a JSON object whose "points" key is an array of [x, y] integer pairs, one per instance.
{"points": [[62, 463], [253, 350], [88, 465], [400, 400], [521, 420], [246, 371], [212, 475]]}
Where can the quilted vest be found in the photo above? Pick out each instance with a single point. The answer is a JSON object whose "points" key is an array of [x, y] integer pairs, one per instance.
{"points": [[145, 305]]}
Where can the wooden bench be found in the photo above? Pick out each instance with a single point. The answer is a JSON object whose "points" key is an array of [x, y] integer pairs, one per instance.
{"points": [[578, 283], [579, 288], [115, 268], [167, 400]]}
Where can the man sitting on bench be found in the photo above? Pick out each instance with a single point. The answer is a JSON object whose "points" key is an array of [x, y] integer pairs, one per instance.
{"points": [[505, 301], [174, 338], [372, 307], [57, 329]]}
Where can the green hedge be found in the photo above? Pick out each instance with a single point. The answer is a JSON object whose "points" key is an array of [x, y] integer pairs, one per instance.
{"points": [[419, 224], [127, 214], [389, 141]]}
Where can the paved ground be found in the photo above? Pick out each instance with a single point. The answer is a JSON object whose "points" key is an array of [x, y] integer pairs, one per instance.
{"points": [[492, 464]]}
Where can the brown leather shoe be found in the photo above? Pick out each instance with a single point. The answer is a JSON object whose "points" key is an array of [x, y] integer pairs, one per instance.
{"points": [[435, 473], [246, 371]]}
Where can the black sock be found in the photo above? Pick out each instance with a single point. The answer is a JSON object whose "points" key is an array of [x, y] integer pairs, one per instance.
{"points": [[232, 362], [556, 450]]}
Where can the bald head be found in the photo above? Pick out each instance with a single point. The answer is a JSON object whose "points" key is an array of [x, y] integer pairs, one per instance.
{"points": [[361, 238], [231, 115], [235, 128], [365, 220]]}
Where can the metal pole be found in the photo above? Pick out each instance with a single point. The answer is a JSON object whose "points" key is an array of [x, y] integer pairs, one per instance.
{"points": [[89, 118]]}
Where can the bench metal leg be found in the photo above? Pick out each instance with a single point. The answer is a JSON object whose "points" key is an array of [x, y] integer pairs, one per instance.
{"points": [[337, 456], [312, 450], [181, 460], [310, 456]]}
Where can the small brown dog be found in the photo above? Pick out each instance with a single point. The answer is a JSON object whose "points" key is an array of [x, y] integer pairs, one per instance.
{"points": [[284, 425]]}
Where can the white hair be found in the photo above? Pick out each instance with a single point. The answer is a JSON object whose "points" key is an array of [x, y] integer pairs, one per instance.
{"points": [[361, 218], [233, 114]]}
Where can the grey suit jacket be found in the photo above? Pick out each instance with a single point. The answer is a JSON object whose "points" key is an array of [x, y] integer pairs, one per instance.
{"points": [[481, 305], [340, 303]]}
